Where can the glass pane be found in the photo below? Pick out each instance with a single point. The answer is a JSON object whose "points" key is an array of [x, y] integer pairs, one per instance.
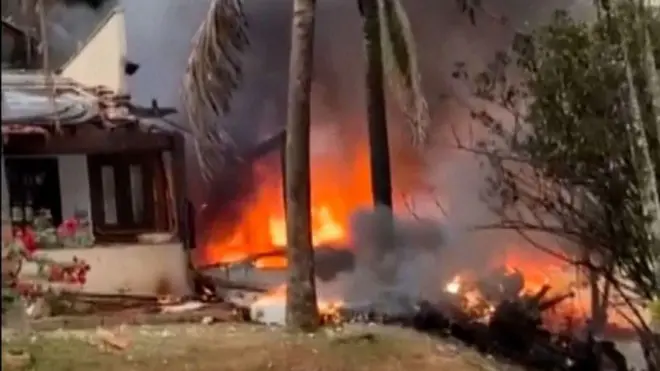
{"points": [[137, 194], [109, 203]]}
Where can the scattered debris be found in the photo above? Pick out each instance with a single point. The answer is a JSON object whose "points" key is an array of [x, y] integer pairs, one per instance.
{"points": [[183, 307], [16, 359], [208, 320], [355, 338], [38, 308], [109, 339]]}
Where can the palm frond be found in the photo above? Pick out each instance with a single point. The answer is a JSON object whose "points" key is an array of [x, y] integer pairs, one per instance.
{"points": [[212, 75], [401, 67]]}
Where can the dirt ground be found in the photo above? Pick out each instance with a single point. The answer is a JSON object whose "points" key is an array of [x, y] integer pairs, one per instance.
{"points": [[225, 347]]}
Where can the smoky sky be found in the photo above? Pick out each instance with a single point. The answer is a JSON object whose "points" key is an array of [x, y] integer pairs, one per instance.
{"points": [[160, 33]]}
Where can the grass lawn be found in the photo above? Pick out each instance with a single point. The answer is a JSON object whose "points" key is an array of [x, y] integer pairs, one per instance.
{"points": [[225, 347]]}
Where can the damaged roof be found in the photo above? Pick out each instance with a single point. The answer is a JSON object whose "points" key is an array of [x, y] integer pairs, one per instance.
{"points": [[32, 102]]}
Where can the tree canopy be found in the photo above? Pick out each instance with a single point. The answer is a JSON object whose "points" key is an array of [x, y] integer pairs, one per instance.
{"points": [[566, 158]]}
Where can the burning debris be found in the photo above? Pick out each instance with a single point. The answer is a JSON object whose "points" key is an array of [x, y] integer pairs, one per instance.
{"points": [[497, 315], [271, 308]]}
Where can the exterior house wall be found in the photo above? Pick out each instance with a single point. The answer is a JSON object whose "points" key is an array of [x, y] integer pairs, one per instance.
{"points": [[141, 269], [101, 60], [144, 269]]}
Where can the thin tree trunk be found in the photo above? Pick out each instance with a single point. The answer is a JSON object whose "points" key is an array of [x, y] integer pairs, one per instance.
{"points": [[653, 83], [652, 77], [645, 172], [381, 178], [301, 308], [653, 89]]}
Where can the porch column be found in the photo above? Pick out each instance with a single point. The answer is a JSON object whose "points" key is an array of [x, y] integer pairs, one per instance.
{"points": [[5, 195]]}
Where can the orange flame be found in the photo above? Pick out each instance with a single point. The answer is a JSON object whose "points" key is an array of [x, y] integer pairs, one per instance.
{"points": [[338, 189], [538, 269]]}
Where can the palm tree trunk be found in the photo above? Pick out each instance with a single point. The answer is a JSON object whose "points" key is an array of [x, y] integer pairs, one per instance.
{"points": [[384, 265], [301, 308], [381, 179]]}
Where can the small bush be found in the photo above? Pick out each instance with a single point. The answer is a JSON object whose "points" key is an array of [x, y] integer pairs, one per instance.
{"points": [[24, 246]]}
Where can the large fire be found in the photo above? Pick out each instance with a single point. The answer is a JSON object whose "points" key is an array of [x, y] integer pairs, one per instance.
{"points": [[338, 189], [341, 184]]}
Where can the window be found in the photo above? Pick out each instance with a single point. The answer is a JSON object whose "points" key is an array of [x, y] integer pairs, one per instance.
{"points": [[34, 185], [128, 194]]}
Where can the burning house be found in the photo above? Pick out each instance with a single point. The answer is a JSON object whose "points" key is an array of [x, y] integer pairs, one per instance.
{"points": [[75, 145]]}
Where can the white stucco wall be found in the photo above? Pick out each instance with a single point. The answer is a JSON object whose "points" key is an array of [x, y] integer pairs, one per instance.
{"points": [[140, 269], [74, 183], [101, 60]]}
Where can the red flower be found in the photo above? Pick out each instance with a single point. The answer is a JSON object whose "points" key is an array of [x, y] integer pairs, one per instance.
{"points": [[82, 277], [29, 239], [26, 288], [68, 227], [71, 225], [56, 273]]}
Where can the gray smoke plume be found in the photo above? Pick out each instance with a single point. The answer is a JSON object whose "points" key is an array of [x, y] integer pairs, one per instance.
{"points": [[393, 274]]}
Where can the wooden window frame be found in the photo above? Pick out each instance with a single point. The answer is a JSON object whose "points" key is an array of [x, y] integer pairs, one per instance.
{"points": [[154, 190]]}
